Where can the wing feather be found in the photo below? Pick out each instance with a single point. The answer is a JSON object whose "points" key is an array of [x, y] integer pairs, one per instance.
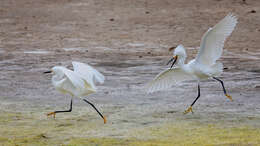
{"points": [[212, 42], [168, 78], [88, 73], [76, 80]]}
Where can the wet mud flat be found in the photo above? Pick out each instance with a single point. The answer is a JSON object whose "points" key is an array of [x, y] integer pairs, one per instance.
{"points": [[134, 117], [128, 42]]}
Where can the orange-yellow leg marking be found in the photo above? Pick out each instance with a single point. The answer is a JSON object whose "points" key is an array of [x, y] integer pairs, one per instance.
{"points": [[229, 97], [105, 120], [52, 113], [188, 110]]}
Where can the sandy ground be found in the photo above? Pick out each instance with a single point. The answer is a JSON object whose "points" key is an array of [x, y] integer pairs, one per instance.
{"points": [[128, 42]]}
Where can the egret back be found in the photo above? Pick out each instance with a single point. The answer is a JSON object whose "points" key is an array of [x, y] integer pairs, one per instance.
{"points": [[202, 71]]}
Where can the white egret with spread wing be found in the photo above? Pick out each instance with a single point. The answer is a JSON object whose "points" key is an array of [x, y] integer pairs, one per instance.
{"points": [[204, 66], [78, 83]]}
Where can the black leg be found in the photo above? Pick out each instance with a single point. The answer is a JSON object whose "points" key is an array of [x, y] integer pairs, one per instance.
{"points": [[190, 108], [65, 110], [197, 96], [54, 113], [225, 92], [96, 110]]}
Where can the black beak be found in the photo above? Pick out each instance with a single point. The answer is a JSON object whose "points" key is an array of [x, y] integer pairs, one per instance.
{"points": [[47, 72], [174, 59], [170, 61]]}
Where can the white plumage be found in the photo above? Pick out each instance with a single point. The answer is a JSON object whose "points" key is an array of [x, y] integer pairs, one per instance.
{"points": [[168, 78], [212, 42], [205, 64], [78, 83]]}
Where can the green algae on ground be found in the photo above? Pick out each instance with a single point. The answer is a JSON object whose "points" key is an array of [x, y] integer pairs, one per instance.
{"points": [[189, 133], [181, 134], [115, 142], [28, 129]]}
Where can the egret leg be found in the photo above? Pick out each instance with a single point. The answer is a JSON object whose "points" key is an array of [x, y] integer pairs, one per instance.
{"points": [[190, 108], [104, 118], [54, 113], [225, 92]]}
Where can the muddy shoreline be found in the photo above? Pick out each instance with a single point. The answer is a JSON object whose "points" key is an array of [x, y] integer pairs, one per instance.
{"points": [[128, 42]]}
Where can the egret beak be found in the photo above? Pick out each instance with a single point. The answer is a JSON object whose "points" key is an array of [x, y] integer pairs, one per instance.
{"points": [[47, 72], [170, 61], [174, 59]]}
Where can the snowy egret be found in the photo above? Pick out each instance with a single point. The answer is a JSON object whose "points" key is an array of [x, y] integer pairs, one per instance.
{"points": [[78, 83], [204, 66]]}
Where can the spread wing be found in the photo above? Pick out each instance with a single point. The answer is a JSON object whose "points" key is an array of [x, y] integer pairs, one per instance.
{"points": [[212, 42], [88, 73], [168, 78], [75, 79]]}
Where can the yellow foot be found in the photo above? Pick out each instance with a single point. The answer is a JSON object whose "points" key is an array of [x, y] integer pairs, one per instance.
{"points": [[52, 113], [229, 97], [105, 120], [188, 110]]}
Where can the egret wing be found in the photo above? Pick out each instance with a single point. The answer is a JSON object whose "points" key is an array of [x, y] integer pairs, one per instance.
{"points": [[76, 80], [168, 78], [88, 73], [212, 42]]}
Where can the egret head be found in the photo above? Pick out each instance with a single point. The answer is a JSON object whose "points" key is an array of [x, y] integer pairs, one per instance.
{"points": [[57, 72], [54, 70], [180, 51], [57, 69], [179, 55]]}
